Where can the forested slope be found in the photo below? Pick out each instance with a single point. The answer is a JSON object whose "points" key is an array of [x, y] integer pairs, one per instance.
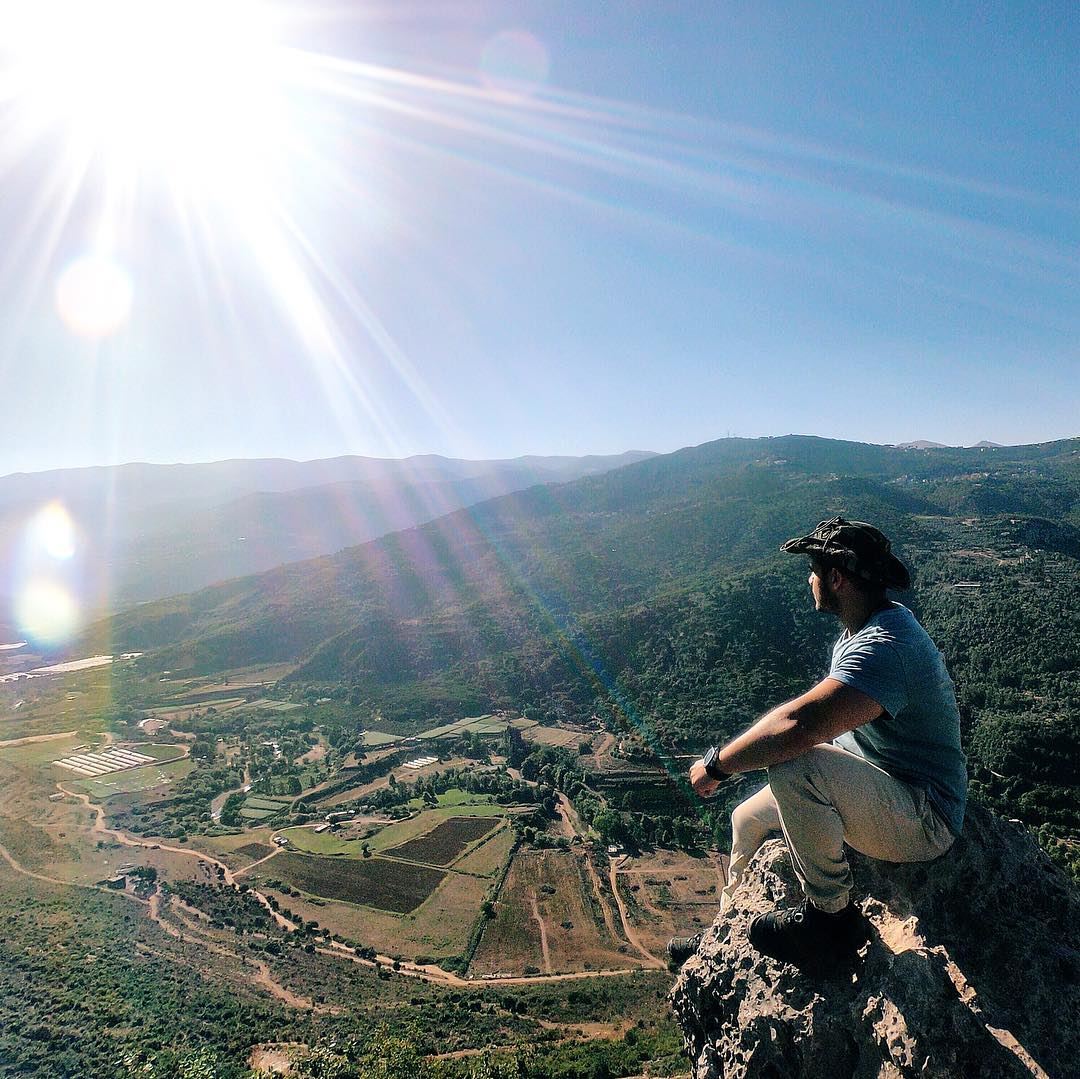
{"points": [[655, 596]]}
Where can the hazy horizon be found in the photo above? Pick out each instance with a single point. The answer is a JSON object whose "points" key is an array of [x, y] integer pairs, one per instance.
{"points": [[495, 229], [906, 443]]}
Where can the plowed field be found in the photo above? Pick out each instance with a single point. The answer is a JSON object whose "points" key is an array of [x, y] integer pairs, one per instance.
{"points": [[371, 882], [445, 842]]}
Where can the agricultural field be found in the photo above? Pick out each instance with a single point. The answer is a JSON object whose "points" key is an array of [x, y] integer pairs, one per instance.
{"points": [[237, 851], [258, 807], [129, 781], [549, 918], [487, 858], [438, 929], [42, 750], [394, 835], [455, 796], [347, 841], [329, 844], [379, 738], [563, 737], [265, 704], [445, 843], [398, 887], [477, 725], [670, 893]]}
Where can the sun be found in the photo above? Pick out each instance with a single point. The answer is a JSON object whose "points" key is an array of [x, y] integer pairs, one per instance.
{"points": [[191, 91]]}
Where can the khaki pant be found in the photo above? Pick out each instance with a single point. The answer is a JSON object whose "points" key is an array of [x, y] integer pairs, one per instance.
{"points": [[824, 799]]}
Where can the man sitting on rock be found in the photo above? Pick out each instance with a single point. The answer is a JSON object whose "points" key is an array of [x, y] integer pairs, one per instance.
{"points": [[870, 756]]}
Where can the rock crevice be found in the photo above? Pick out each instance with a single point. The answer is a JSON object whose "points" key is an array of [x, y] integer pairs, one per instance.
{"points": [[973, 970]]}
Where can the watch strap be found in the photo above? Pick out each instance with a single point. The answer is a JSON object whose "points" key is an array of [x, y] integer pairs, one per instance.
{"points": [[712, 769]]}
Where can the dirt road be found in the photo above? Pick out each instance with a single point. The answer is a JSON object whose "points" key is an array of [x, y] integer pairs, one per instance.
{"points": [[539, 919], [33, 739], [628, 929]]}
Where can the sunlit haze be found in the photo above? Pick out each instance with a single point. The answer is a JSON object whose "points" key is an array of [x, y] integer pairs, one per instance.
{"points": [[488, 229]]}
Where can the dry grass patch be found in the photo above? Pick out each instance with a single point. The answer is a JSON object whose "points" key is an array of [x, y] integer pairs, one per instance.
{"points": [[487, 858], [557, 887], [669, 893]]}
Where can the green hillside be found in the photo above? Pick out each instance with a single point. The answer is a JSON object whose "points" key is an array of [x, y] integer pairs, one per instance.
{"points": [[655, 596]]}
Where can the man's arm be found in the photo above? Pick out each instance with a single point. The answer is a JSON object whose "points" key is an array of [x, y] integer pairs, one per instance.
{"points": [[789, 730]]}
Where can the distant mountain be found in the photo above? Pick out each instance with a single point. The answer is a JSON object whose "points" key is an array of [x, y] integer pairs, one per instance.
{"points": [[987, 446], [655, 598], [486, 580], [922, 444], [146, 531]]}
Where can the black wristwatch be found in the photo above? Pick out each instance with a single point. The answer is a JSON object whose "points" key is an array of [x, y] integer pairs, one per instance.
{"points": [[712, 769]]}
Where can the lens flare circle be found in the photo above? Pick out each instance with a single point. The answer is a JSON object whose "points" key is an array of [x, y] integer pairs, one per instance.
{"points": [[93, 297], [515, 61], [46, 612], [52, 532]]}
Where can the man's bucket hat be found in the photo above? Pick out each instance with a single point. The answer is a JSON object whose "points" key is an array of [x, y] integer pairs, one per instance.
{"points": [[857, 547]]}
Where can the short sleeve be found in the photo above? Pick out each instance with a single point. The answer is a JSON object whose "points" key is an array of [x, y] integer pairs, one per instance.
{"points": [[873, 667]]}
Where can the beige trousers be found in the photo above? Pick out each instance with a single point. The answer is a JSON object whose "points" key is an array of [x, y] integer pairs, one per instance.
{"points": [[822, 800]]}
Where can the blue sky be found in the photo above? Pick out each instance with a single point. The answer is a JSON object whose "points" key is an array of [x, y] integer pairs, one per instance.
{"points": [[487, 229]]}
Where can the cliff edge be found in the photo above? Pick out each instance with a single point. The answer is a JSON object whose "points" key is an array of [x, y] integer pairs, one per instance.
{"points": [[973, 971]]}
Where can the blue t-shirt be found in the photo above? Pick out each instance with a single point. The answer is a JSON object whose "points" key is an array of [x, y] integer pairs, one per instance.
{"points": [[893, 660]]}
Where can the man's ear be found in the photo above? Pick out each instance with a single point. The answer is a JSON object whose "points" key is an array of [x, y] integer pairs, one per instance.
{"points": [[836, 579]]}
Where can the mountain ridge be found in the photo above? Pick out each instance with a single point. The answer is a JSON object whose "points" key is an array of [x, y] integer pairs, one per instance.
{"points": [[147, 531]]}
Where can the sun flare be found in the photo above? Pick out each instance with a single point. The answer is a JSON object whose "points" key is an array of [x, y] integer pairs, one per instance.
{"points": [[189, 90]]}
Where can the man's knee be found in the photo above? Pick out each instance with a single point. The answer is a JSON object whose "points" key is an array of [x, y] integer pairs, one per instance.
{"points": [[795, 771], [753, 819], [742, 818]]}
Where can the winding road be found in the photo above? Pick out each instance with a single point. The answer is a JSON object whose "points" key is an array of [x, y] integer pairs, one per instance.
{"points": [[433, 974]]}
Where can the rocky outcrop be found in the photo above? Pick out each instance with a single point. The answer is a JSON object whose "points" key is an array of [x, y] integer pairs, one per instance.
{"points": [[973, 970]]}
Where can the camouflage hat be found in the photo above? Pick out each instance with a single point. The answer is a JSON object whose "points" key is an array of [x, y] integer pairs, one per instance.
{"points": [[856, 547]]}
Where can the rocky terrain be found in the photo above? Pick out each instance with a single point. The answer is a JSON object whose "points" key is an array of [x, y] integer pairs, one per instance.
{"points": [[973, 970]]}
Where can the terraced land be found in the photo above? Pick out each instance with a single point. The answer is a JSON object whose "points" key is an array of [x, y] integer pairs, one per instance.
{"points": [[399, 887]]}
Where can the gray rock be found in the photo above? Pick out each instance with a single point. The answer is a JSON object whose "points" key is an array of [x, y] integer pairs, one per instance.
{"points": [[973, 971]]}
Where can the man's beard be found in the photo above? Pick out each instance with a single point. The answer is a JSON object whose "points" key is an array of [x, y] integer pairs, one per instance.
{"points": [[827, 601]]}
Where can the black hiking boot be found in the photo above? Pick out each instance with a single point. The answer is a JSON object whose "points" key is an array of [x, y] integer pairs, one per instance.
{"points": [[808, 937], [679, 949]]}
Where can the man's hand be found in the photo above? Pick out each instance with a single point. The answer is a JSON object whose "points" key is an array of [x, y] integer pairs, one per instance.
{"points": [[704, 785]]}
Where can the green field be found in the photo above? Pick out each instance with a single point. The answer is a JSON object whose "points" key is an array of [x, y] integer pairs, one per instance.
{"points": [[372, 882], [327, 843], [259, 801], [379, 738], [131, 780], [265, 704], [392, 835], [156, 750], [46, 752], [454, 797], [258, 807], [475, 725], [399, 832]]}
